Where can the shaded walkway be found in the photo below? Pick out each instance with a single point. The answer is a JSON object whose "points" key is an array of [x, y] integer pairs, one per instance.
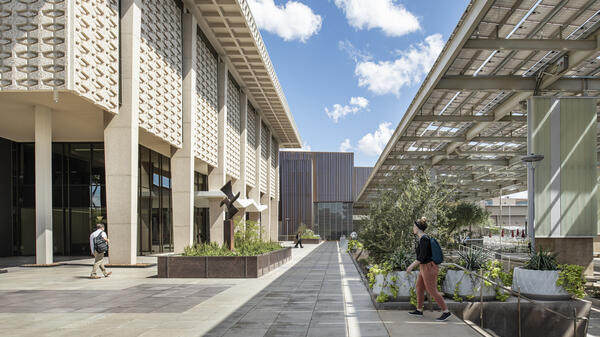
{"points": [[319, 296]]}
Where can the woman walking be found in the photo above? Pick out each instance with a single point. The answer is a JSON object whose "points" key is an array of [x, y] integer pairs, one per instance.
{"points": [[428, 272]]}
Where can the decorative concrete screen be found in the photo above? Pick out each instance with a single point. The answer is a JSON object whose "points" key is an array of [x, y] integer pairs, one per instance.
{"points": [[273, 172], [264, 157], [207, 119], [160, 70], [36, 36], [251, 146], [233, 129], [564, 131]]}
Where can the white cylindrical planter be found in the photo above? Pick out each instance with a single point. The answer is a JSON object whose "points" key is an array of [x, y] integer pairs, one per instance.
{"points": [[538, 284], [468, 285], [403, 280]]}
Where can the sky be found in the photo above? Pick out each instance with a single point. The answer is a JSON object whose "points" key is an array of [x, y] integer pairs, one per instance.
{"points": [[350, 68]]}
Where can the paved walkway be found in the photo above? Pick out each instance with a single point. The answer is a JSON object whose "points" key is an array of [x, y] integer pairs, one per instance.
{"points": [[318, 293]]}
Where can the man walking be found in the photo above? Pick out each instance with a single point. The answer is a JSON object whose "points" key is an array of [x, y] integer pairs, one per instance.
{"points": [[298, 240], [99, 247]]}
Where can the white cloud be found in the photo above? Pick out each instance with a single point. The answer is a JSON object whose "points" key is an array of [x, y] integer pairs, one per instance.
{"points": [[338, 111], [388, 15], [305, 147], [355, 54], [388, 77], [345, 146], [372, 144], [294, 21]]}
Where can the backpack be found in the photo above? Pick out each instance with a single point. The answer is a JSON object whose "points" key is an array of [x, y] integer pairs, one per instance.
{"points": [[436, 251], [100, 244]]}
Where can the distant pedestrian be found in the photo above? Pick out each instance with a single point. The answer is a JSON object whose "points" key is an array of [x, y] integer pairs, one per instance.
{"points": [[298, 240], [99, 247], [428, 272]]}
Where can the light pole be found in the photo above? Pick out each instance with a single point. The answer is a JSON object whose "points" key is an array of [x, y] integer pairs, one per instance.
{"points": [[531, 161], [287, 231]]}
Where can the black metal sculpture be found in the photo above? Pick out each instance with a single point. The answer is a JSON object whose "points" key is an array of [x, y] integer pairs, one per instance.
{"points": [[229, 200]]}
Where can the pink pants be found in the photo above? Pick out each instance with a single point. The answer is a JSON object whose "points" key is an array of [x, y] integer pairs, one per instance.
{"points": [[427, 280]]}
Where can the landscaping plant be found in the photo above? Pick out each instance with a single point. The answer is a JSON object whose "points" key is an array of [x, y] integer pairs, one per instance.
{"points": [[542, 260], [410, 196]]}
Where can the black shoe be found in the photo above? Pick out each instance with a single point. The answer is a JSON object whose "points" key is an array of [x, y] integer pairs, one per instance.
{"points": [[416, 313], [445, 316]]}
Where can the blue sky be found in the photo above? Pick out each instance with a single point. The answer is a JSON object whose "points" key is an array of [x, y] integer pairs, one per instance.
{"points": [[350, 68]]}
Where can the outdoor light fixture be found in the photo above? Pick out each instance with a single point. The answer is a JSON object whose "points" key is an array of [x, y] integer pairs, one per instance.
{"points": [[531, 160]]}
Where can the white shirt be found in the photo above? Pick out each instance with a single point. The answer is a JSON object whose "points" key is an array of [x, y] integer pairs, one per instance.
{"points": [[93, 236]]}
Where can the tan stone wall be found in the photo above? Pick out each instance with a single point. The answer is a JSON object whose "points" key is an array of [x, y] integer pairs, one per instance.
{"points": [[207, 120], [264, 158], [233, 129], [577, 251], [62, 45], [251, 146], [160, 70]]}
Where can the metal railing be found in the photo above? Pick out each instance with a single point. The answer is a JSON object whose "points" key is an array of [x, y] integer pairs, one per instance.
{"points": [[519, 296]]}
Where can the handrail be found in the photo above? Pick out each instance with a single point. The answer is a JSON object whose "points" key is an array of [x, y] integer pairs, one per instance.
{"points": [[575, 318]]}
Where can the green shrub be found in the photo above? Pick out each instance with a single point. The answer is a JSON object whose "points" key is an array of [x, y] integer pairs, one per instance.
{"points": [[354, 244], [401, 259], [571, 279], [542, 260], [247, 243], [472, 260]]}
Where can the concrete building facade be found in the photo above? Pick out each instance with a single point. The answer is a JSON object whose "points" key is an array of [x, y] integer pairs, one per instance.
{"points": [[318, 190], [134, 113]]}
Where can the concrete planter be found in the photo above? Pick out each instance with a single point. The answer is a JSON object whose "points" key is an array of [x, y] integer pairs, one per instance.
{"points": [[468, 285], [176, 266], [404, 282], [538, 284]]}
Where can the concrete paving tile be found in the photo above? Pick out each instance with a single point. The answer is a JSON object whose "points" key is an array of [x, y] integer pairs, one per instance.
{"points": [[332, 331], [246, 332]]}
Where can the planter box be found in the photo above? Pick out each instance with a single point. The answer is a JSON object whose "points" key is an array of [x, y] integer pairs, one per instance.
{"points": [[468, 285], [404, 282], [538, 284], [177, 266], [311, 241]]}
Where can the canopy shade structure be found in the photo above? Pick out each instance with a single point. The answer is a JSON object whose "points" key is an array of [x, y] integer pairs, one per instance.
{"points": [[468, 121], [233, 32]]}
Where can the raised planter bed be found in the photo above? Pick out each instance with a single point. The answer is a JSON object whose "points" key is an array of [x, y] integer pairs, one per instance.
{"points": [[403, 281], [467, 286], [538, 284], [177, 266], [311, 241]]}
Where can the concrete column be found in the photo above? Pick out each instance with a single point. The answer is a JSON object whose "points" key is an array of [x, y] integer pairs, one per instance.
{"points": [[265, 217], [275, 203], [217, 177], [254, 193], [563, 130], [240, 184], [121, 144], [182, 163], [43, 185]]}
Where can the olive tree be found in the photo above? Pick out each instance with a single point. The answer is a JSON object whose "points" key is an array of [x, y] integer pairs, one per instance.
{"points": [[409, 196]]}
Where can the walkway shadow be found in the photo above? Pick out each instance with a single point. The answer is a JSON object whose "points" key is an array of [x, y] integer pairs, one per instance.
{"points": [[306, 300]]}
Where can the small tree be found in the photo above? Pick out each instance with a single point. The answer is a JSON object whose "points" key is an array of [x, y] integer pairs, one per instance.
{"points": [[411, 195], [466, 214]]}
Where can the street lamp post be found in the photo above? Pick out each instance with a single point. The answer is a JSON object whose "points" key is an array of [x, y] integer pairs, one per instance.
{"points": [[287, 226], [531, 161]]}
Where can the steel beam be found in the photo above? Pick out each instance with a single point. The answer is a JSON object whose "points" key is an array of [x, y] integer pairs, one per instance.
{"points": [[530, 44], [467, 118], [517, 83], [449, 162], [512, 139]]}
